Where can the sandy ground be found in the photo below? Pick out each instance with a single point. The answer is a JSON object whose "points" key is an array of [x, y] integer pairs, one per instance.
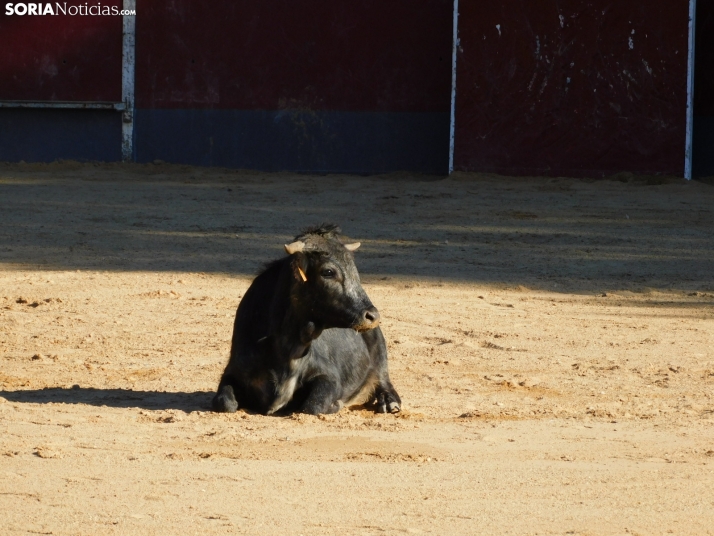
{"points": [[551, 340]]}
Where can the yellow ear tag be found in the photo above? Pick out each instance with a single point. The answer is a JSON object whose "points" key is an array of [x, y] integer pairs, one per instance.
{"points": [[302, 274]]}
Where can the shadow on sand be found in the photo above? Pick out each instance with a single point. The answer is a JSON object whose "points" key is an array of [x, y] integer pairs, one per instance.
{"points": [[114, 398], [539, 232]]}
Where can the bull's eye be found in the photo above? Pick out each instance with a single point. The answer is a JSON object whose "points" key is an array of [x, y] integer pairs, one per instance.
{"points": [[328, 273]]}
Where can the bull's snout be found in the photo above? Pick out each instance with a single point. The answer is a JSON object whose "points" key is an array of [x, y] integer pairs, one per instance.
{"points": [[369, 320], [372, 315]]}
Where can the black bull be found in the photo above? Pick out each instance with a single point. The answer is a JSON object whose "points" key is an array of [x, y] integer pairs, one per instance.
{"points": [[306, 336]]}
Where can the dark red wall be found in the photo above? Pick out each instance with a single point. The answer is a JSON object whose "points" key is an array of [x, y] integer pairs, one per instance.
{"points": [[343, 55], [571, 87], [60, 57], [311, 85], [544, 87]]}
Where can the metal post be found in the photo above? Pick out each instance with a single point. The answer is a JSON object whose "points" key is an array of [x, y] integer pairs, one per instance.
{"points": [[454, 50], [127, 81], [690, 92]]}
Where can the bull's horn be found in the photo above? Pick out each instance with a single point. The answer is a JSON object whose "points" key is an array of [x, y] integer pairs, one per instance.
{"points": [[352, 247], [294, 247]]}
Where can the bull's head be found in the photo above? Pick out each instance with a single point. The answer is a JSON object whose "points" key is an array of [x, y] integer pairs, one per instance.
{"points": [[326, 284]]}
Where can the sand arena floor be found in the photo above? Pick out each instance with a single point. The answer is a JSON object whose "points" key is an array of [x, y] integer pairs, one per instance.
{"points": [[552, 341]]}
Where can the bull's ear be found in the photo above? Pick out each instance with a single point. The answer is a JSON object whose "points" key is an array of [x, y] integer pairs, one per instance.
{"points": [[353, 246], [294, 247]]}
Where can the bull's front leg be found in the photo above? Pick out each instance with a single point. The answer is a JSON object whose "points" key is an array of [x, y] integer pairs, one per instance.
{"points": [[324, 397], [225, 399], [387, 399]]}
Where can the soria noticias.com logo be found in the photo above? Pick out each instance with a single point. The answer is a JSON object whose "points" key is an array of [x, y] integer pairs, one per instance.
{"points": [[58, 8]]}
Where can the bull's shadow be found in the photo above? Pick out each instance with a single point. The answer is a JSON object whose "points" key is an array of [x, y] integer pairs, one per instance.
{"points": [[114, 398]]}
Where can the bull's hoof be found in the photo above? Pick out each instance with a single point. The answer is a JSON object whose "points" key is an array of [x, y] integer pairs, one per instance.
{"points": [[225, 400], [388, 401]]}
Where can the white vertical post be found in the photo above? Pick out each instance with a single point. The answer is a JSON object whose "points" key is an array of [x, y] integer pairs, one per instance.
{"points": [[454, 50], [127, 80], [690, 92]]}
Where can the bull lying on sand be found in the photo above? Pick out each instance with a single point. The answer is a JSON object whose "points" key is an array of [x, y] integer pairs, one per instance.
{"points": [[306, 337]]}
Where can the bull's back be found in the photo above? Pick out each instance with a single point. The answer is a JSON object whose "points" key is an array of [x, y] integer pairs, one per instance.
{"points": [[253, 316]]}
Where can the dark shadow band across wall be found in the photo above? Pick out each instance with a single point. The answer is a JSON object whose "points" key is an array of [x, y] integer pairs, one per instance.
{"points": [[46, 135], [286, 140], [296, 140]]}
